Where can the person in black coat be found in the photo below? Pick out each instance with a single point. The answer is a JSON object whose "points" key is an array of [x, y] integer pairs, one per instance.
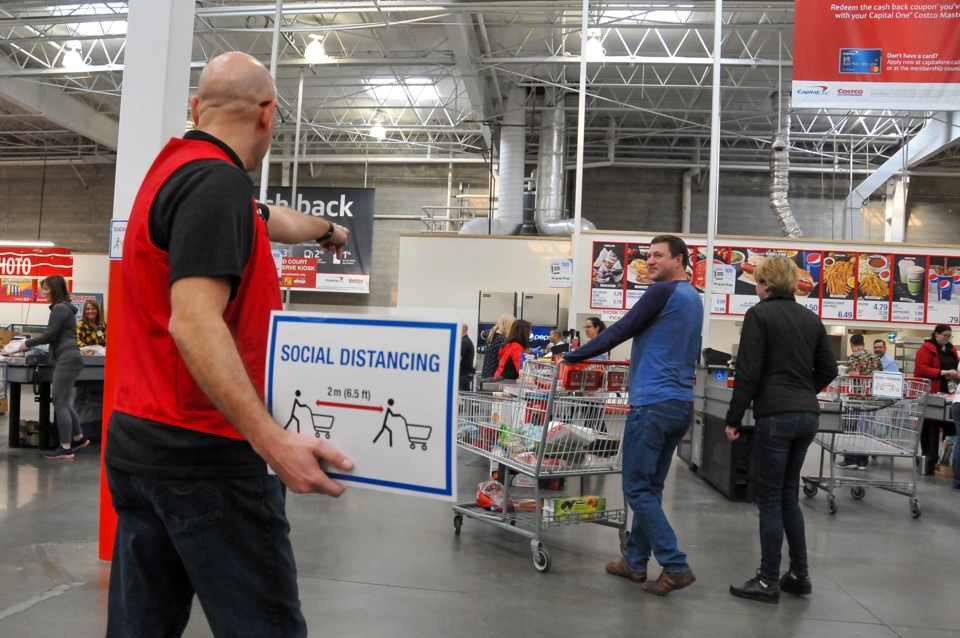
{"points": [[467, 353], [784, 360]]}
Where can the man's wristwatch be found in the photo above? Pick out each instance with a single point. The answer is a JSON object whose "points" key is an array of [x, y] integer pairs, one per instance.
{"points": [[327, 235]]}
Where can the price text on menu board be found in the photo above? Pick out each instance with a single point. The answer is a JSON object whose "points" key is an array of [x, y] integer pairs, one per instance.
{"points": [[839, 285]]}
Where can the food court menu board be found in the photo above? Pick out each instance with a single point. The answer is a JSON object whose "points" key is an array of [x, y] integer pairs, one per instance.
{"points": [[748, 259], [839, 285]]}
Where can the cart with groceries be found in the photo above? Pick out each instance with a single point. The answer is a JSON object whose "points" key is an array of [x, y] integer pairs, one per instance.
{"points": [[559, 421], [880, 417]]}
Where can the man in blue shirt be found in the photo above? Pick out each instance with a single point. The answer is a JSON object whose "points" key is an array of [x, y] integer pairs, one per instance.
{"points": [[665, 327], [880, 349]]}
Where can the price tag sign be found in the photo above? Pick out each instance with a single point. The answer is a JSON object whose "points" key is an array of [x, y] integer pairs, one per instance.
{"points": [[606, 298], [633, 296], [719, 305], [870, 310], [813, 305], [740, 304], [837, 309], [907, 312], [939, 312]]}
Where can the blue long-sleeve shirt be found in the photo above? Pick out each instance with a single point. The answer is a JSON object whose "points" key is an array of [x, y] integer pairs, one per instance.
{"points": [[665, 327]]}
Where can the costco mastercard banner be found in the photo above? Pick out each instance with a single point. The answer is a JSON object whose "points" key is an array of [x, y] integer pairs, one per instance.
{"points": [[22, 270], [876, 55]]}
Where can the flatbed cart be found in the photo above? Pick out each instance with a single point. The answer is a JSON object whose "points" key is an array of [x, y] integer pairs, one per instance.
{"points": [[561, 420], [870, 426]]}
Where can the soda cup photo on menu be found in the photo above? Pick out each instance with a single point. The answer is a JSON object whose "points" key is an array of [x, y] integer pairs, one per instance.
{"points": [[812, 261], [945, 288]]}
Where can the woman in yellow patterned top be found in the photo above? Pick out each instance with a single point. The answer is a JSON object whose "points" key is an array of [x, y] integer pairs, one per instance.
{"points": [[91, 330]]}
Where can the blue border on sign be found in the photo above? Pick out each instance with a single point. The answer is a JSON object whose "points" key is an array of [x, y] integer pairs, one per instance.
{"points": [[452, 328]]}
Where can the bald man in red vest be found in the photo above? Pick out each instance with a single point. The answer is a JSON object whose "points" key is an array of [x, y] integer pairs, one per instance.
{"points": [[190, 439]]}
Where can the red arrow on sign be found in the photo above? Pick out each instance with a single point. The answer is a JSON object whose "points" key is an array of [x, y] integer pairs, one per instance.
{"points": [[351, 406]]}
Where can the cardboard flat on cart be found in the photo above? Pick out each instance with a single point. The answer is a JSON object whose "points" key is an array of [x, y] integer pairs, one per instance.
{"points": [[583, 507]]}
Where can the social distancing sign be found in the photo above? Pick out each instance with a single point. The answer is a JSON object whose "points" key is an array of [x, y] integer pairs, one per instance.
{"points": [[380, 389]]}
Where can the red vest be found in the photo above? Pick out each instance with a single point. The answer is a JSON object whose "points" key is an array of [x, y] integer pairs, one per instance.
{"points": [[152, 379]]}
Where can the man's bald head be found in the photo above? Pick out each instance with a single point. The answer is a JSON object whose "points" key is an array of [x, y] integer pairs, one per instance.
{"points": [[236, 103], [232, 85]]}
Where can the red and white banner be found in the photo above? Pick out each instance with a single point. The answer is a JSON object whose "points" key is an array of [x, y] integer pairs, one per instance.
{"points": [[22, 270], [876, 55]]}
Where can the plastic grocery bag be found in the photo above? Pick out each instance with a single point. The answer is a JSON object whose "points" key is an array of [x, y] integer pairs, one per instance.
{"points": [[490, 496]]}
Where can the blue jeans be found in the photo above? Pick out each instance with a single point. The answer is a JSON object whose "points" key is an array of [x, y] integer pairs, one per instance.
{"points": [[227, 540], [651, 437], [782, 442]]}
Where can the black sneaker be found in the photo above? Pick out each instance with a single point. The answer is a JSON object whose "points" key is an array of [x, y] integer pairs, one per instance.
{"points": [[60, 454], [796, 585], [844, 464], [757, 589], [79, 445]]}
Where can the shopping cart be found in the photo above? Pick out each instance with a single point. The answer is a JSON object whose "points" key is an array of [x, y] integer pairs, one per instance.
{"points": [[561, 420], [871, 426], [322, 424], [418, 435]]}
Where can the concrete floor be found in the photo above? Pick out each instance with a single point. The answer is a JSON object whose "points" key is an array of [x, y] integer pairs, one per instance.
{"points": [[372, 564]]}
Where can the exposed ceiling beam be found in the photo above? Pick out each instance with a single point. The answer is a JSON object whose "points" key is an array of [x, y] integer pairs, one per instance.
{"points": [[63, 110], [462, 38]]}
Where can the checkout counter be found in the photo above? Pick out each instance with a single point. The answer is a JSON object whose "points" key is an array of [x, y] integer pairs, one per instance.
{"points": [[26, 371], [728, 465]]}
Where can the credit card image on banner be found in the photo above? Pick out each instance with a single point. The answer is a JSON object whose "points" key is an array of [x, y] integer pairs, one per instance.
{"points": [[860, 60]]}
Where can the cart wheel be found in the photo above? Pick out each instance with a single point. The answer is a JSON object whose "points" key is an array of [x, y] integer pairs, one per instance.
{"points": [[915, 508], [857, 492], [832, 504], [424, 448], [541, 559], [624, 537], [457, 523], [809, 489], [413, 446], [318, 435], [327, 435]]}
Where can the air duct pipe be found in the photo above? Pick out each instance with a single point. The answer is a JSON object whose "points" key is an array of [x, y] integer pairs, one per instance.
{"points": [[551, 175], [780, 178], [509, 211]]}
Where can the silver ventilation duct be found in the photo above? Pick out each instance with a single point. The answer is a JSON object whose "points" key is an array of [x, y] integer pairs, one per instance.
{"points": [[509, 211], [551, 182], [780, 179]]}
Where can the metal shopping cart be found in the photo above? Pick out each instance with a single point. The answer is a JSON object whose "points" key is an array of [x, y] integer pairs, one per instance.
{"points": [[561, 420], [871, 425]]}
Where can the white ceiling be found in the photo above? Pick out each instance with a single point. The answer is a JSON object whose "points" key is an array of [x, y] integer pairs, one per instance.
{"points": [[451, 65]]}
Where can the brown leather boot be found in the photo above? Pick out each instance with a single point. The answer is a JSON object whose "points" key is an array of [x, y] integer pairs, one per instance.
{"points": [[623, 569], [666, 583]]}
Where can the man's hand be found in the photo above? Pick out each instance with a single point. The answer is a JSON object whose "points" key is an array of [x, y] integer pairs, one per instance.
{"points": [[337, 241], [732, 433], [296, 460]]}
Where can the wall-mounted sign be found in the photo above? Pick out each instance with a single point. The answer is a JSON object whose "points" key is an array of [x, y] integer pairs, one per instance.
{"points": [[22, 270], [305, 266]]}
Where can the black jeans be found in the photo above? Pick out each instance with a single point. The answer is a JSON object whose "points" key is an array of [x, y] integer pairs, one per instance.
{"points": [[782, 442]]}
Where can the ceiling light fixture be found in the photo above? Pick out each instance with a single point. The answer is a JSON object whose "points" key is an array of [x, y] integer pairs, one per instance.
{"points": [[377, 129], [72, 56], [593, 48], [315, 53]]}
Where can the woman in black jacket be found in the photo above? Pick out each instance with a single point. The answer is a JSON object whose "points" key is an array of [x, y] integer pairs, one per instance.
{"points": [[61, 334], [783, 362]]}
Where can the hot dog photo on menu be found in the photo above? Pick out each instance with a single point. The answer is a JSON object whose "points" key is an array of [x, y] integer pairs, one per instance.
{"points": [[747, 259]]}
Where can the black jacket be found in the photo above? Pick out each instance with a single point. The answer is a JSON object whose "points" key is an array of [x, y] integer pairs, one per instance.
{"points": [[61, 332], [783, 362]]}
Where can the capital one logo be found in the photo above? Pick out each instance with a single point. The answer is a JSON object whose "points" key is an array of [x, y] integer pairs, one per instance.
{"points": [[817, 89]]}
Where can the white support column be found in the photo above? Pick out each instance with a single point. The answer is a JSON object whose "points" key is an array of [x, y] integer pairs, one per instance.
{"points": [[895, 218], [156, 85]]}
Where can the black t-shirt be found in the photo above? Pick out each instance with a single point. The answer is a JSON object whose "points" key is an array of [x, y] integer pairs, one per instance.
{"points": [[201, 217]]}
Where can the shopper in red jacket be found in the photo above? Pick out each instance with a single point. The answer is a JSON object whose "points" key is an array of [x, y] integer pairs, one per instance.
{"points": [[936, 360], [511, 354]]}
